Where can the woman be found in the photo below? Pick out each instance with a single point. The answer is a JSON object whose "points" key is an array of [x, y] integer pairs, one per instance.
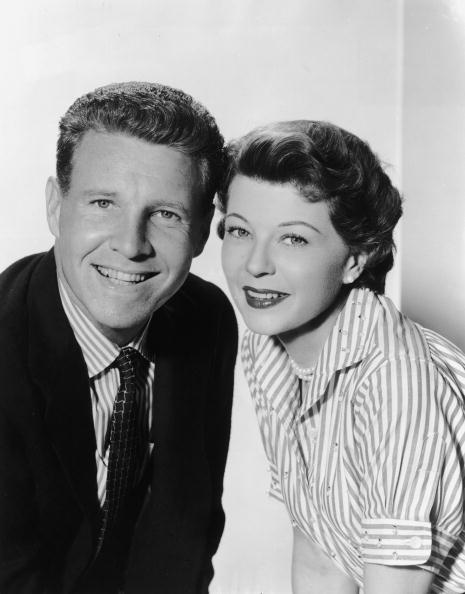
{"points": [[360, 409]]}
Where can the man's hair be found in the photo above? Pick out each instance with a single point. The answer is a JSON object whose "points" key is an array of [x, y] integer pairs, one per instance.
{"points": [[325, 162], [152, 112]]}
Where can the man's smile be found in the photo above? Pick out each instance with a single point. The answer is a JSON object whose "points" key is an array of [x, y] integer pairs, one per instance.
{"points": [[123, 277]]}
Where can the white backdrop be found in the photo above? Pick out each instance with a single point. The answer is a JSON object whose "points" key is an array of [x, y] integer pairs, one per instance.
{"points": [[250, 62]]}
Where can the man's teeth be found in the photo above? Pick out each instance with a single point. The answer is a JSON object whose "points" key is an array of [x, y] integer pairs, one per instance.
{"points": [[121, 276]]}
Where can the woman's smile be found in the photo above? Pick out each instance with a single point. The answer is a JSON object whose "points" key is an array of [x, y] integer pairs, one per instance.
{"points": [[262, 298]]}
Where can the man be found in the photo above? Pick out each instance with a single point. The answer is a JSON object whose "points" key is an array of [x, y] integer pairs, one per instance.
{"points": [[117, 364]]}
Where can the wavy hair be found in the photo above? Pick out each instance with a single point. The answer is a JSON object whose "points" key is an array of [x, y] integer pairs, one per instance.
{"points": [[153, 112], [325, 162]]}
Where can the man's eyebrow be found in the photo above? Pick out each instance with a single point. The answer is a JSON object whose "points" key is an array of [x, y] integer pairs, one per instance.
{"points": [[309, 225], [167, 204], [156, 204], [106, 193]]}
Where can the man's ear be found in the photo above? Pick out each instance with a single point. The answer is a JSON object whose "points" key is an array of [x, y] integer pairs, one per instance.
{"points": [[354, 267], [54, 198], [203, 232]]}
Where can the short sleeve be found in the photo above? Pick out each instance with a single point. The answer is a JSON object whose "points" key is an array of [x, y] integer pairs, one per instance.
{"points": [[402, 436], [248, 350]]}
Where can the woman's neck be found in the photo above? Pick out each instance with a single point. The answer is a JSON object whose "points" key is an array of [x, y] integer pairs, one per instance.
{"points": [[305, 344]]}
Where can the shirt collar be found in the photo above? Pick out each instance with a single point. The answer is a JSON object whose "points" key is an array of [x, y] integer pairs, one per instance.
{"points": [[347, 344], [99, 352]]}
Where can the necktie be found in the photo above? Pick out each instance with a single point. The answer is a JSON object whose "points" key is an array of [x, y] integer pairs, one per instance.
{"points": [[123, 455]]}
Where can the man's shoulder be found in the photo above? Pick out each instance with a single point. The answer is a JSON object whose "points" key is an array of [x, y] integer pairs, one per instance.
{"points": [[202, 307], [15, 293], [197, 293], [15, 280], [18, 273]]}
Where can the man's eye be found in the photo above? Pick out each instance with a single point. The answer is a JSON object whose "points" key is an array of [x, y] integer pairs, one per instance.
{"points": [[294, 240], [102, 203], [237, 232], [168, 215]]}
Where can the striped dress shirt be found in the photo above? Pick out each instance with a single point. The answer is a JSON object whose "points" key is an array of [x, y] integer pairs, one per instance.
{"points": [[99, 355], [368, 452]]}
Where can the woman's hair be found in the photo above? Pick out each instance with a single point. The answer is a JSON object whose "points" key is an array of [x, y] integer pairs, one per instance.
{"points": [[325, 162]]}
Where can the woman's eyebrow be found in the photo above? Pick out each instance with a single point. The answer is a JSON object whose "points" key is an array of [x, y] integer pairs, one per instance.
{"points": [[290, 223], [235, 214]]}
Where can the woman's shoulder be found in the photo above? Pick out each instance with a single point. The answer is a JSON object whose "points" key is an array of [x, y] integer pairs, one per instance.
{"points": [[398, 335], [398, 339]]}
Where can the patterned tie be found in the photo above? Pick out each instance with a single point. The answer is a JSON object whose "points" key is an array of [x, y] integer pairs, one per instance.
{"points": [[123, 456]]}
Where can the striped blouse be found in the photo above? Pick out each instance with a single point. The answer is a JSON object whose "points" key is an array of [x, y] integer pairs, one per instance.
{"points": [[368, 454], [100, 354]]}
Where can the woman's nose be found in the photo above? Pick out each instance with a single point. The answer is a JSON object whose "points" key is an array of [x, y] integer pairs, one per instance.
{"points": [[260, 261], [130, 239]]}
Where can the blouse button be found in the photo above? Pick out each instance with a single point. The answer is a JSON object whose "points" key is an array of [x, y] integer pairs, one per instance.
{"points": [[394, 529], [313, 432], [415, 542], [395, 555]]}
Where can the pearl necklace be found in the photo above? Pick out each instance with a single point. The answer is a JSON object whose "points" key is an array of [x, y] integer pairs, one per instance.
{"points": [[303, 373]]}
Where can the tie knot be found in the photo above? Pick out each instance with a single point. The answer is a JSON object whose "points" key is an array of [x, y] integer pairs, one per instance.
{"points": [[126, 364]]}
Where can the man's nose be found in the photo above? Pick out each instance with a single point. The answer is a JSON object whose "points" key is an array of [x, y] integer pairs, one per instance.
{"points": [[260, 261], [130, 239]]}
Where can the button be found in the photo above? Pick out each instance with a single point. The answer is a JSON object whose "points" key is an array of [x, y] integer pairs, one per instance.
{"points": [[414, 542], [328, 489], [395, 555], [379, 543], [333, 554], [394, 529]]}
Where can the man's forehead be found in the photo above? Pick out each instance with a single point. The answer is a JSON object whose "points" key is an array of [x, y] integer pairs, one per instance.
{"points": [[104, 152]]}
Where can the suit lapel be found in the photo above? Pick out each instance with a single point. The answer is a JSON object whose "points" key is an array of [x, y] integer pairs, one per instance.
{"points": [[59, 369], [176, 376]]}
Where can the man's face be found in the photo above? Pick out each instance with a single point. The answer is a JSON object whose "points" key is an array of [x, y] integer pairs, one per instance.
{"points": [[127, 229]]}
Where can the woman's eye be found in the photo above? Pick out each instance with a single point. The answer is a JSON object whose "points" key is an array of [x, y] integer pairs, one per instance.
{"points": [[237, 232], [294, 240], [168, 215]]}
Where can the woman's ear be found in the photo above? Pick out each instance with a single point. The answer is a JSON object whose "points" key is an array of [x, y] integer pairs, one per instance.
{"points": [[354, 267]]}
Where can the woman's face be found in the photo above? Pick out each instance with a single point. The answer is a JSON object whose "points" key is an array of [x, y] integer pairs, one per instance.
{"points": [[283, 260]]}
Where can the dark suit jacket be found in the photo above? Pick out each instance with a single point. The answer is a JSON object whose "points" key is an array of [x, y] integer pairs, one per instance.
{"points": [[48, 507]]}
